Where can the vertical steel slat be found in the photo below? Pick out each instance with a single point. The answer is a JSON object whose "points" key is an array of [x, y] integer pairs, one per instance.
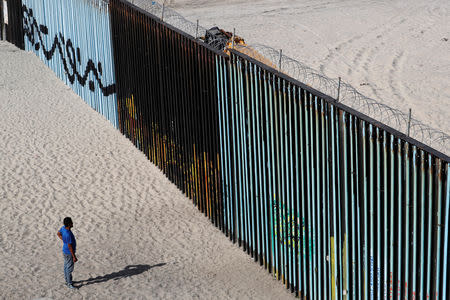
{"points": [[422, 224], [262, 174], [335, 237], [345, 254], [265, 170], [366, 223], [312, 200], [338, 202], [414, 229], [400, 219], [274, 199], [257, 162], [330, 252], [445, 282], [236, 226], [251, 168], [222, 144], [308, 188], [378, 213], [254, 196], [290, 189], [359, 226], [288, 176], [281, 187], [354, 197], [325, 234], [290, 192], [386, 189], [298, 221], [302, 107], [430, 224], [238, 177], [229, 191], [371, 208], [312, 203], [407, 213], [270, 171], [280, 181], [243, 152], [279, 176], [392, 209], [438, 213], [319, 199]]}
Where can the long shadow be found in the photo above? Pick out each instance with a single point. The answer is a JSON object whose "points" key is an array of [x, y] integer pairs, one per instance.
{"points": [[126, 272]]}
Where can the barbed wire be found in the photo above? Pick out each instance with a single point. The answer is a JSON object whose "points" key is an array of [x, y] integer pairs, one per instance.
{"points": [[351, 97], [348, 95]]}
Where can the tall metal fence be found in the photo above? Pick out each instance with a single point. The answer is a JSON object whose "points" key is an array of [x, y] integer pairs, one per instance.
{"points": [[167, 101], [331, 202]]}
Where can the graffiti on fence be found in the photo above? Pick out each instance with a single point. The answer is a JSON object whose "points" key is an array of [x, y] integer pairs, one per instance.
{"points": [[70, 55]]}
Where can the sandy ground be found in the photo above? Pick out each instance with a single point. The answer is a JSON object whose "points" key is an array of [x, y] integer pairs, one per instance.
{"points": [[138, 236], [395, 51]]}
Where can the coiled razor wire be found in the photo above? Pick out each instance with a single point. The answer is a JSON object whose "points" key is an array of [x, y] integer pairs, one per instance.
{"points": [[346, 93], [349, 96]]}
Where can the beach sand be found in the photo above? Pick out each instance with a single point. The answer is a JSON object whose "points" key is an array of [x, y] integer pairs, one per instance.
{"points": [[138, 236]]}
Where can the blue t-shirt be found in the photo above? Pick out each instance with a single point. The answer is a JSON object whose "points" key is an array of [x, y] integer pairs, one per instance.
{"points": [[68, 238]]}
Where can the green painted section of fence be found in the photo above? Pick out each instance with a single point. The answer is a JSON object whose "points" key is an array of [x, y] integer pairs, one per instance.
{"points": [[350, 203]]}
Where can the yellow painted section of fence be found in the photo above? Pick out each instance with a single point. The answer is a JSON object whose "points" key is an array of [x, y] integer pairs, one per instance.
{"points": [[344, 262]]}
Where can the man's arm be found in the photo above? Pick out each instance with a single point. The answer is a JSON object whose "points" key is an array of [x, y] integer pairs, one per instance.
{"points": [[59, 235], [73, 254]]}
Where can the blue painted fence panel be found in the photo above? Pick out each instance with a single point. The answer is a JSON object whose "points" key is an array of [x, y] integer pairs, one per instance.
{"points": [[73, 38]]}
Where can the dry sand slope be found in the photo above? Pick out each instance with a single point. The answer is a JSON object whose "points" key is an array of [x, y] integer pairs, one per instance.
{"points": [[396, 51], [138, 236]]}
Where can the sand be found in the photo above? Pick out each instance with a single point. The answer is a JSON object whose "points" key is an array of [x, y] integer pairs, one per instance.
{"points": [[396, 52], [138, 236]]}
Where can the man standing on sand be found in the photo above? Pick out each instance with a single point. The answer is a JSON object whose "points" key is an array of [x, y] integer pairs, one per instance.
{"points": [[69, 249]]}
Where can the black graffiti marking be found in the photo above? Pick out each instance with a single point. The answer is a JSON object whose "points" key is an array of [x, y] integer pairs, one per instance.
{"points": [[64, 47]]}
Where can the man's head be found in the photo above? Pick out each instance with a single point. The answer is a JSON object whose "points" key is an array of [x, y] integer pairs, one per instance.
{"points": [[68, 222]]}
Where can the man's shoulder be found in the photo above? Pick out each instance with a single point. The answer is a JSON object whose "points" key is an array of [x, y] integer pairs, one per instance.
{"points": [[64, 231]]}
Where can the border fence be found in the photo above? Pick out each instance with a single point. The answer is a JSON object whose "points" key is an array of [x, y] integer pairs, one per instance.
{"points": [[333, 203]]}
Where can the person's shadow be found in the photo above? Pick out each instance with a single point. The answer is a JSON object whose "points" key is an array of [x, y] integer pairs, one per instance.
{"points": [[126, 272]]}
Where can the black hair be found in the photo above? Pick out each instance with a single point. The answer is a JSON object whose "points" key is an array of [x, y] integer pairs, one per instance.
{"points": [[67, 221]]}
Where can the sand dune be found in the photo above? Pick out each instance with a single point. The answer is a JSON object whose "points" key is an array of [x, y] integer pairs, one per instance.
{"points": [[138, 236]]}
